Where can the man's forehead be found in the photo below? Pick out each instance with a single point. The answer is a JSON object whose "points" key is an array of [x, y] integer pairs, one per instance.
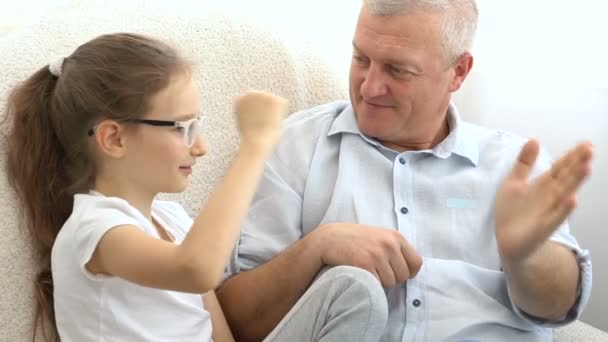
{"points": [[389, 53]]}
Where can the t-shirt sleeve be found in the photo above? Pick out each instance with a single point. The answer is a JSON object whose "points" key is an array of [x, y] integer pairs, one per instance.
{"points": [[97, 218], [273, 222]]}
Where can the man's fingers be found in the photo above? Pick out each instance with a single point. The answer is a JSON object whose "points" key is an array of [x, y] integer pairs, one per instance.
{"points": [[572, 181], [580, 154], [568, 173], [525, 160], [400, 268], [559, 214], [387, 277], [412, 258], [563, 163]]}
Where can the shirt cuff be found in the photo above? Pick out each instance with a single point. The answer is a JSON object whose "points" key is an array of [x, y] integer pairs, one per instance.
{"points": [[584, 292]]}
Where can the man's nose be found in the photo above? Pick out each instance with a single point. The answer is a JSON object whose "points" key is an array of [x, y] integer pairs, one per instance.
{"points": [[374, 84]]}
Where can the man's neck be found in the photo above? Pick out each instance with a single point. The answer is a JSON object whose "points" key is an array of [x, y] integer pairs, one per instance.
{"points": [[442, 133]]}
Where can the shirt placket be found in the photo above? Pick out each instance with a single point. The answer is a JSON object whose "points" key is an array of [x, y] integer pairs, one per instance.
{"points": [[413, 298]]}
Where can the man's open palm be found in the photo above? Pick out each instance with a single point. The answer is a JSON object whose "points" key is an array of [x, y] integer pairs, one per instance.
{"points": [[527, 213]]}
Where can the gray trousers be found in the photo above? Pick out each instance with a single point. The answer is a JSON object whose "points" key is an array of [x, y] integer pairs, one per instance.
{"points": [[343, 304]]}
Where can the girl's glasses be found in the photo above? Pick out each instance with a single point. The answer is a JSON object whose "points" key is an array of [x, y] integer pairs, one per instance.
{"points": [[190, 129]]}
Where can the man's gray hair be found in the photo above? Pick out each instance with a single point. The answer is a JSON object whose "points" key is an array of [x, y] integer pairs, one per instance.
{"points": [[459, 19]]}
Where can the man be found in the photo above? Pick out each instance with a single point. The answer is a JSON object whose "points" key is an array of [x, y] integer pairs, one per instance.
{"points": [[395, 179]]}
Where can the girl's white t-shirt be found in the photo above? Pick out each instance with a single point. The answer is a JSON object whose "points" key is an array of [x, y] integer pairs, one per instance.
{"points": [[105, 308]]}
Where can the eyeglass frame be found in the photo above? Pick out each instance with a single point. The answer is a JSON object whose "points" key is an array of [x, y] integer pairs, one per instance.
{"points": [[186, 125]]}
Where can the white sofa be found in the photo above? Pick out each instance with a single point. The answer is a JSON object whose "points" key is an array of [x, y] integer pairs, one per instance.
{"points": [[232, 54]]}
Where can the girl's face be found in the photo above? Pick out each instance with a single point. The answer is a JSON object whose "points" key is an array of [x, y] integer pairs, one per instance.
{"points": [[159, 157]]}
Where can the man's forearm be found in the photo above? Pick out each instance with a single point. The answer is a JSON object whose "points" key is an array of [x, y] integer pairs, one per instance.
{"points": [[255, 301], [545, 285]]}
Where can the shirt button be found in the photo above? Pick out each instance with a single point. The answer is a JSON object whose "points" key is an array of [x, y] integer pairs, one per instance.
{"points": [[404, 210], [402, 161], [416, 303]]}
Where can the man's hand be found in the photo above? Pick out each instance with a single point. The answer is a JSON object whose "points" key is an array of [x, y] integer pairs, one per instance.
{"points": [[528, 213], [383, 252]]}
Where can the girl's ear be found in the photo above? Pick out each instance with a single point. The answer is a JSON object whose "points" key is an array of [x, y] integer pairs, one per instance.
{"points": [[111, 138]]}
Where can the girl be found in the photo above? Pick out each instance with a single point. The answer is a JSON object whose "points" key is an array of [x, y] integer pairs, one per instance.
{"points": [[94, 138]]}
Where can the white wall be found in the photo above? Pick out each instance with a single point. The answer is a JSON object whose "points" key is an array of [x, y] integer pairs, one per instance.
{"points": [[541, 71], [544, 73]]}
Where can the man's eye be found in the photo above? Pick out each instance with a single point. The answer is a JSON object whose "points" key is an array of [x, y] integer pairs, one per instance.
{"points": [[359, 59], [398, 72]]}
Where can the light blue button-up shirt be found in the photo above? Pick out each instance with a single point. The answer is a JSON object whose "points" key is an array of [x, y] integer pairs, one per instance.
{"points": [[442, 201]]}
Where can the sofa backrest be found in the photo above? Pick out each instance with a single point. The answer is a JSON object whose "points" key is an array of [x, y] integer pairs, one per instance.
{"points": [[232, 55]]}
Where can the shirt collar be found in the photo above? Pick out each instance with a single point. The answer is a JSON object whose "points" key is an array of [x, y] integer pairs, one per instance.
{"points": [[460, 141]]}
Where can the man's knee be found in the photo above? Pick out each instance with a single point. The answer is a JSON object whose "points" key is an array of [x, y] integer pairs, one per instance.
{"points": [[358, 294], [355, 281], [355, 274]]}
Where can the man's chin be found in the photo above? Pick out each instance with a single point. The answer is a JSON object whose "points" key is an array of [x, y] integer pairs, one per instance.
{"points": [[371, 129]]}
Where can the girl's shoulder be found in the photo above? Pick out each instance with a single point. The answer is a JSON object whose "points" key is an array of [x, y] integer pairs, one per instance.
{"points": [[95, 207]]}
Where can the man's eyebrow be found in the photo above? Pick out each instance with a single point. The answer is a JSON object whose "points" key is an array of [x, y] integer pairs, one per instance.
{"points": [[395, 62]]}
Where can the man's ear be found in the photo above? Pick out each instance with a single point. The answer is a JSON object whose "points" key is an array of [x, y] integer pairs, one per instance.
{"points": [[111, 139], [462, 67]]}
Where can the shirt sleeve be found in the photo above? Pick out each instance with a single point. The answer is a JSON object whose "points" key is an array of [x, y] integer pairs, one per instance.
{"points": [[273, 222], [177, 220], [97, 219], [563, 236], [275, 218]]}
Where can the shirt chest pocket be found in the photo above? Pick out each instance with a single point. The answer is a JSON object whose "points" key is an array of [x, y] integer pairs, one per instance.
{"points": [[470, 233], [459, 223]]}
